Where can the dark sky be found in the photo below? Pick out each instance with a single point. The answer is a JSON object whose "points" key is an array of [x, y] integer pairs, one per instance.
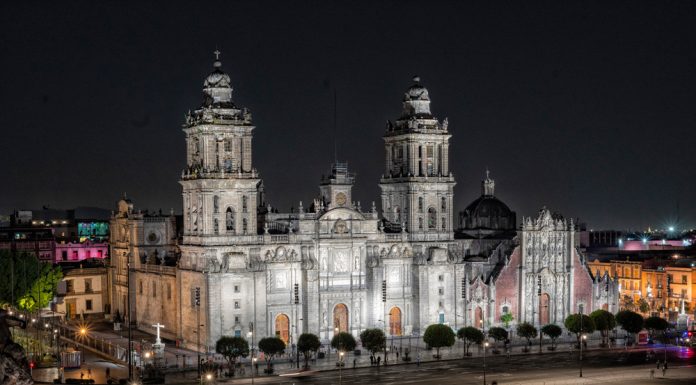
{"points": [[588, 108]]}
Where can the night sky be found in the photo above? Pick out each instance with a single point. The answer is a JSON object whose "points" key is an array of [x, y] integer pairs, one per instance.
{"points": [[588, 108]]}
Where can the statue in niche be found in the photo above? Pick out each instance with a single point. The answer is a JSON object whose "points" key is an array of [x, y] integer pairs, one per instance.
{"points": [[323, 263], [356, 265]]}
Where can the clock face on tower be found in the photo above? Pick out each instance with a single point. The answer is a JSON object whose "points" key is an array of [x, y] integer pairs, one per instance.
{"points": [[341, 199]]}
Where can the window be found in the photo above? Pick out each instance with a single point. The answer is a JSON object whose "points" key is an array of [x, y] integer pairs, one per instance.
{"points": [[432, 218], [100, 253], [440, 277], [154, 289], [216, 204], [236, 319], [430, 165], [420, 204], [196, 146], [88, 304], [88, 254], [683, 293], [684, 279], [244, 203], [74, 255], [229, 220], [236, 288], [236, 304], [237, 333], [506, 309], [442, 316], [397, 214], [69, 286], [444, 224], [169, 291], [88, 285], [244, 226], [64, 255], [420, 223], [441, 291], [216, 226], [443, 203], [228, 145], [140, 286]]}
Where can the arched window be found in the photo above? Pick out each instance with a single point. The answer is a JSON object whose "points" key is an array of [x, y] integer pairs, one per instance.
{"points": [[216, 227], [420, 204], [229, 220], [216, 204], [443, 203], [420, 223], [244, 226], [397, 214], [432, 218], [244, 203]]}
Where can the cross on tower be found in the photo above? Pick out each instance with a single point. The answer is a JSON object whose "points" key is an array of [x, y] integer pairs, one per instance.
{"points": [[158, 326], [217, 54]]}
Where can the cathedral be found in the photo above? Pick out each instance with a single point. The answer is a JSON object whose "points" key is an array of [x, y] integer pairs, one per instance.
{"points": [[244, 269]]}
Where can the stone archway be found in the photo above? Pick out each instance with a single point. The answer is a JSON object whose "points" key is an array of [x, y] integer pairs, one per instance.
{"points": [[478, 317], [282, 327], [340, 317], [544, 308], [395, 321]]}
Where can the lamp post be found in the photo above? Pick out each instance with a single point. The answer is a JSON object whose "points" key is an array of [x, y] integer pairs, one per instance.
{"points": [[340, 366], [253, 363], [485, 346], [582, 342]]}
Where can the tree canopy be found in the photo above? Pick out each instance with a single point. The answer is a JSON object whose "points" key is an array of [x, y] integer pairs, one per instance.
{"points": [[27, 282], [470, 335], [271, 346], [373, 340], [604, 322], [232, 348], [654, 324], [527, 330], [343, 341], [307, 344], [438, 336], [553, 332], [630, 321], [579, 324], [506, 319]]}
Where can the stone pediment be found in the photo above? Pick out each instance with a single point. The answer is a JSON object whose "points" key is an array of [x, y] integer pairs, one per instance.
{"points": [[343, 213]]}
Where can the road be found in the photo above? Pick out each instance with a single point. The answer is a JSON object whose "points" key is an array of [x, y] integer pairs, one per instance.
{"points": [[600, 367]]}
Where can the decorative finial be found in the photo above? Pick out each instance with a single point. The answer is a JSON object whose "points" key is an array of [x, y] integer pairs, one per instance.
{"points": [[416, 79], [488, 173], [217, 63]]}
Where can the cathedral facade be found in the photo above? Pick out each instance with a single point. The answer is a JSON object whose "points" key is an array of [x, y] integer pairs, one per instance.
{"points": [[245, 269]]}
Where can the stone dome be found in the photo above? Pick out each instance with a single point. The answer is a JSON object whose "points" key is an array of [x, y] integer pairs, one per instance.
{"points": [[416, 101], [487, 212]]}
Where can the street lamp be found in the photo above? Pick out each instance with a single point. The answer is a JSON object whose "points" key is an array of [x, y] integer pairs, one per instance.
{"points": [[485, 346], [253, 363], [582, 342], [340, 366]]}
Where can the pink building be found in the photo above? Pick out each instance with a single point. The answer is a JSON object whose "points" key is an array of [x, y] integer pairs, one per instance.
{"points": [[71, 252]]}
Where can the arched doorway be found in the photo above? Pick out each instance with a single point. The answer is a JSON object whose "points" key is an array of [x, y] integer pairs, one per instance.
{"points": [[478, 317], [395, 321], [340, 317], [282, 327], [544, 302]]}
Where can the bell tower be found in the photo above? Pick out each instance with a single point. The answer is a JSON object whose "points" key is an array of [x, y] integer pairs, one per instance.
{"points": [[417, 185], [221, 189]]}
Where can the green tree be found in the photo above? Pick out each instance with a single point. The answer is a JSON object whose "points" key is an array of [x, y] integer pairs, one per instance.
{"points": [[604, 322], [308, 344], [438, 336], [643, 306], [506, 319], [579, 324], [271, 347], [528, 331], [470, 335], [630, 321], [373, 340], [655, 324], [553, 332], [232, 348], [498, 334], [343, 341], [42, 290], [19, 272]]}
